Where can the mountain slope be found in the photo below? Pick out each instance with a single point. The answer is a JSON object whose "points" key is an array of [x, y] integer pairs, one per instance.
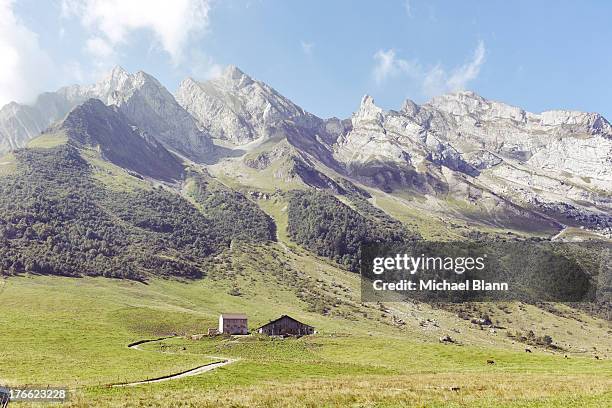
{"points": [[77, 207], [458, 157], [140, 97], [237, 108], [148, 105], [330, 228], [463, 146], [248, 113], [20, 123], [56, 218], [107, 130], [478, 159]]}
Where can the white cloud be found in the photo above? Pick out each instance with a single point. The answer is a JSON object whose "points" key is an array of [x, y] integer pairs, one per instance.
{"points": [[388, 65], [468, 72], [203, 66], [307, 47], [408, 8], [25, 67], [111, 22], [99, 48], [433, 81]]}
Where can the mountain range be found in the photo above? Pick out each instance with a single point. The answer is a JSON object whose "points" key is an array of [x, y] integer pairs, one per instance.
{"points": [[128, 213], [457, 166]]}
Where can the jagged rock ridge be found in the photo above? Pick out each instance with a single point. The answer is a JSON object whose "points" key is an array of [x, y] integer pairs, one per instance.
{"points": [[141, 98], [457, 145], [548, 161], [238, 108]]}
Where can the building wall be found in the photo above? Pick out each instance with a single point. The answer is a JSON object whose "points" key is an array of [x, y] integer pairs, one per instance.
{"points": [[286, 326], [233, 326]]}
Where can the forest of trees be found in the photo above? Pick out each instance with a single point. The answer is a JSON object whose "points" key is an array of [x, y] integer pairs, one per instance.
{"points": [[234, 214], [330, 228], [55, 218]]}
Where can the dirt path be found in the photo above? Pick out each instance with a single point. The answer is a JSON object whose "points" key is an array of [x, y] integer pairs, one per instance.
{"points": [[194, 371], [556, 236]]}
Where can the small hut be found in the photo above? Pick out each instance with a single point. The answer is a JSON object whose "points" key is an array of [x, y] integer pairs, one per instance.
{"points": [[285, 325]]}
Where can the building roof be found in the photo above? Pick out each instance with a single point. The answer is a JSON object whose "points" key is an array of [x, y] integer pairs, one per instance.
{"points": [[283, 316], [233, 315]]}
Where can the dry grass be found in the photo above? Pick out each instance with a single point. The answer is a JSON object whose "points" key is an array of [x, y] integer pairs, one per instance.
{"points": [[425, 390]]}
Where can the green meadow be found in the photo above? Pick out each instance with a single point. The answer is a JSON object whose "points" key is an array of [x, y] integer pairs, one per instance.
{"points": [[74, 332]]}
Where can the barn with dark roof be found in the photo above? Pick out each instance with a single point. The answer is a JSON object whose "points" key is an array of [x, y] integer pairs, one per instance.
{"points": [[285, 325]]}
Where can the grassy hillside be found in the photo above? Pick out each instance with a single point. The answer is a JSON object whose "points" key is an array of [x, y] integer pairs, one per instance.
{"points": [[96, 318], [74, 332]]}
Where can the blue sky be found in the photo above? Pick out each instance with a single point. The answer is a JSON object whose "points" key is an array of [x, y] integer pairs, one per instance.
{"points": [[324, 55]]}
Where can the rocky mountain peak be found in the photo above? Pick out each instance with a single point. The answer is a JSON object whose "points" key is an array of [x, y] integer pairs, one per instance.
{"points": [[91, 106], [237, 108], [120, 84], [468, 103], [118, 72], [366, 100], [188, 82], [233, 77], [232, 71], [117, 78], [591, 122], [143, 77], [459, 103], [410, 108], [367, 110], [10, 108], [148, 105]]}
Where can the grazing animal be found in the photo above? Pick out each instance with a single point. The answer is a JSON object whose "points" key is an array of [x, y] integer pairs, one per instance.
{"points": [[527, 350], [446, 339], [490, 361], [455, 388]]}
